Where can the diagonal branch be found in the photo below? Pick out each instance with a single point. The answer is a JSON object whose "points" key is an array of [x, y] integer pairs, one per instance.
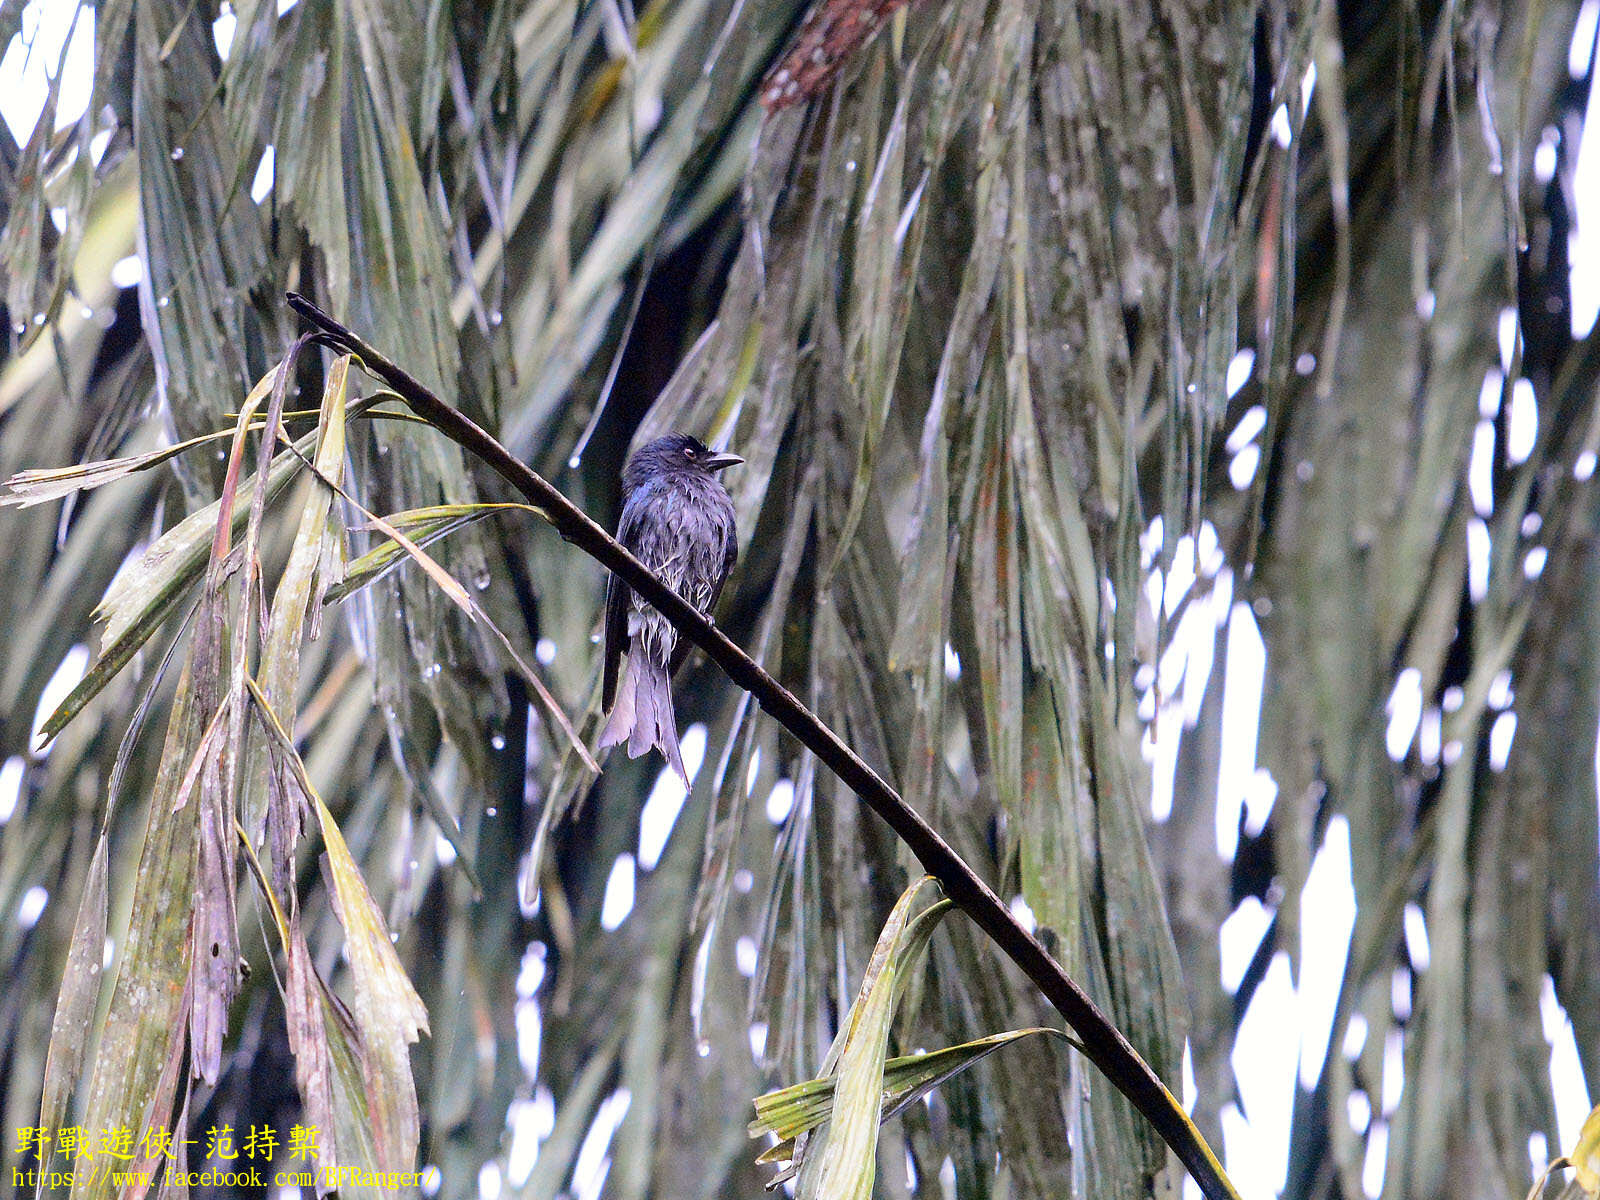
{"points": [[1103, 1042]]}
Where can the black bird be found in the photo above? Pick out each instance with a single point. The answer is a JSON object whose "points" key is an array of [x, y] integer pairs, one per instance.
{"points": [[678, 520]]}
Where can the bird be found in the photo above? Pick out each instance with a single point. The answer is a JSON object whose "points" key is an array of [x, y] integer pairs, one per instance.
{"points": [[678, 520]]}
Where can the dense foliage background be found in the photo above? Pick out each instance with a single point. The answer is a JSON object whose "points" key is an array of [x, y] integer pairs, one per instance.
{"points": [[977, 316]]}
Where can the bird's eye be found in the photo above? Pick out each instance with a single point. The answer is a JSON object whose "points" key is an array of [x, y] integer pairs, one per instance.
{"points": [[688, 451]]}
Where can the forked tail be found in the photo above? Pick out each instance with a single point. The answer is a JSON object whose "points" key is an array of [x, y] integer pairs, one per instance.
{"points": [[642, 715]]}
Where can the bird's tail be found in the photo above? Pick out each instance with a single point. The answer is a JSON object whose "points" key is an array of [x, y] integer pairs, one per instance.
{"points": [[642, 715]]}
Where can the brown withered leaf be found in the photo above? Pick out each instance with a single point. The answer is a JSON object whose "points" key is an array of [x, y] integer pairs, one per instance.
{"points": [[308, 1039], [157, 1112], [80, 992], [308, 1006], [216, 924], [831, 32]]}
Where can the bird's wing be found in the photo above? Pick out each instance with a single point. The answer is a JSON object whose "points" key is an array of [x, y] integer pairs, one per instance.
{"points": [[618, 597], [616, 636], [730, 555]]}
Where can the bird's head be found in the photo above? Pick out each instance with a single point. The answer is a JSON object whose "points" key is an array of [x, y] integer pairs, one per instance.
{"points": [[677, 452]]}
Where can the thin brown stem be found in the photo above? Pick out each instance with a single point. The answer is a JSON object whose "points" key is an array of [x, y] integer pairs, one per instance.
{"points": [[1103, 1042]]}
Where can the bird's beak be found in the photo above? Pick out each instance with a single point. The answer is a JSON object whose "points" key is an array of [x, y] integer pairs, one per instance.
{"points": [[718, 462]]}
